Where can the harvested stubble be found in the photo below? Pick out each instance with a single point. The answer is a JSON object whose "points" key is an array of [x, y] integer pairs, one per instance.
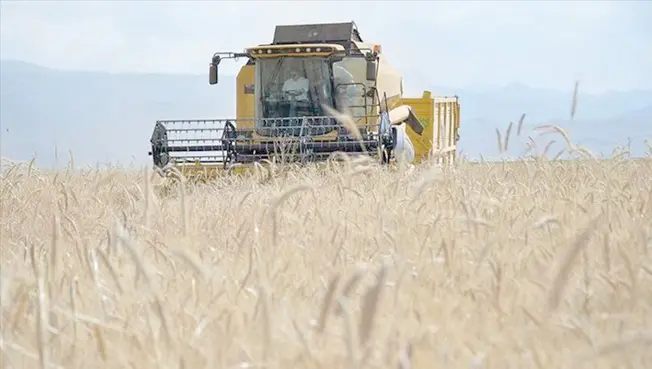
{"points": [[532, 264]]}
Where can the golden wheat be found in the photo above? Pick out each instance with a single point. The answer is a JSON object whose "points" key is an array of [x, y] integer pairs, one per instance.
{"points": [[528, 264]]}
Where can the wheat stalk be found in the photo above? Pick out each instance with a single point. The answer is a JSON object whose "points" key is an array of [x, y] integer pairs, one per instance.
{"points": [[230, 273]]}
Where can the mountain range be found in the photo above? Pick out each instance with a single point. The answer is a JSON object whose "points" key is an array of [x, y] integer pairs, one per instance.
{"points": [[106, 118]]}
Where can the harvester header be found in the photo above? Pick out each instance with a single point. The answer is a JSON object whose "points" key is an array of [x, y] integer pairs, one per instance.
{"points": [[286, 96]]}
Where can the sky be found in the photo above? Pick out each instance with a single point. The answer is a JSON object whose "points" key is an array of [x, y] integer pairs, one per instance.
{"points": [[607, 45]]}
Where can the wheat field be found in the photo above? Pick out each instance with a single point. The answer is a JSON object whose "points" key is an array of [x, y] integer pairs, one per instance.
{"points": [[529, 264]]}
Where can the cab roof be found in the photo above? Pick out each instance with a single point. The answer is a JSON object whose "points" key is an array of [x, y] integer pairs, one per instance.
{"points": [[345, 34]]}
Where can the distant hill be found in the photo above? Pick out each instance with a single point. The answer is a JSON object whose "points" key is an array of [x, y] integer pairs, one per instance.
{"points": [[104, 117], [100, 117], [601, 136]]}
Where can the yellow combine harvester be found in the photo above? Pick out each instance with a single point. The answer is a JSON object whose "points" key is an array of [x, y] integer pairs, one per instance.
{"points": [[286, 93]]}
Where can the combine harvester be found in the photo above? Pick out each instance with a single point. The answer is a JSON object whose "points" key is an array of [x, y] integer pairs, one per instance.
{"points": [[287, 93]]}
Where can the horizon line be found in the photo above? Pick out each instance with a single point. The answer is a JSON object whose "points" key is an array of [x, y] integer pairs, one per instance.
{"points": [[480, 88]]}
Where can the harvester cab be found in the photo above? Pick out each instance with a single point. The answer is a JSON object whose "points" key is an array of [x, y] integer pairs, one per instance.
{"points": [[291, 96]]}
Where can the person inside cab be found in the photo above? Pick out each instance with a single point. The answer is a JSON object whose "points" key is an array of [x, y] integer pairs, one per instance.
{"points": [[295, 90], [296, 87]]}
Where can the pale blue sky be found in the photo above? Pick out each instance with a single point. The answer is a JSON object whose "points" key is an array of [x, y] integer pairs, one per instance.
{"points": [[605, 44]]}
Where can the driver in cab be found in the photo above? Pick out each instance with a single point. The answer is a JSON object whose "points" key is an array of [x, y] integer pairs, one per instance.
{"points": [[296, 87]]}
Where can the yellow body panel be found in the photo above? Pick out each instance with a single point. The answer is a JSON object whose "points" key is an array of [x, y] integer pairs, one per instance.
{"points": [[440, 117], [245, 103], [424, 109]]}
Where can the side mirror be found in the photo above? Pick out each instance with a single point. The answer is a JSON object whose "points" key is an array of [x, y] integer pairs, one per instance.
{"points": [[371, 70], [212, 74]]}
